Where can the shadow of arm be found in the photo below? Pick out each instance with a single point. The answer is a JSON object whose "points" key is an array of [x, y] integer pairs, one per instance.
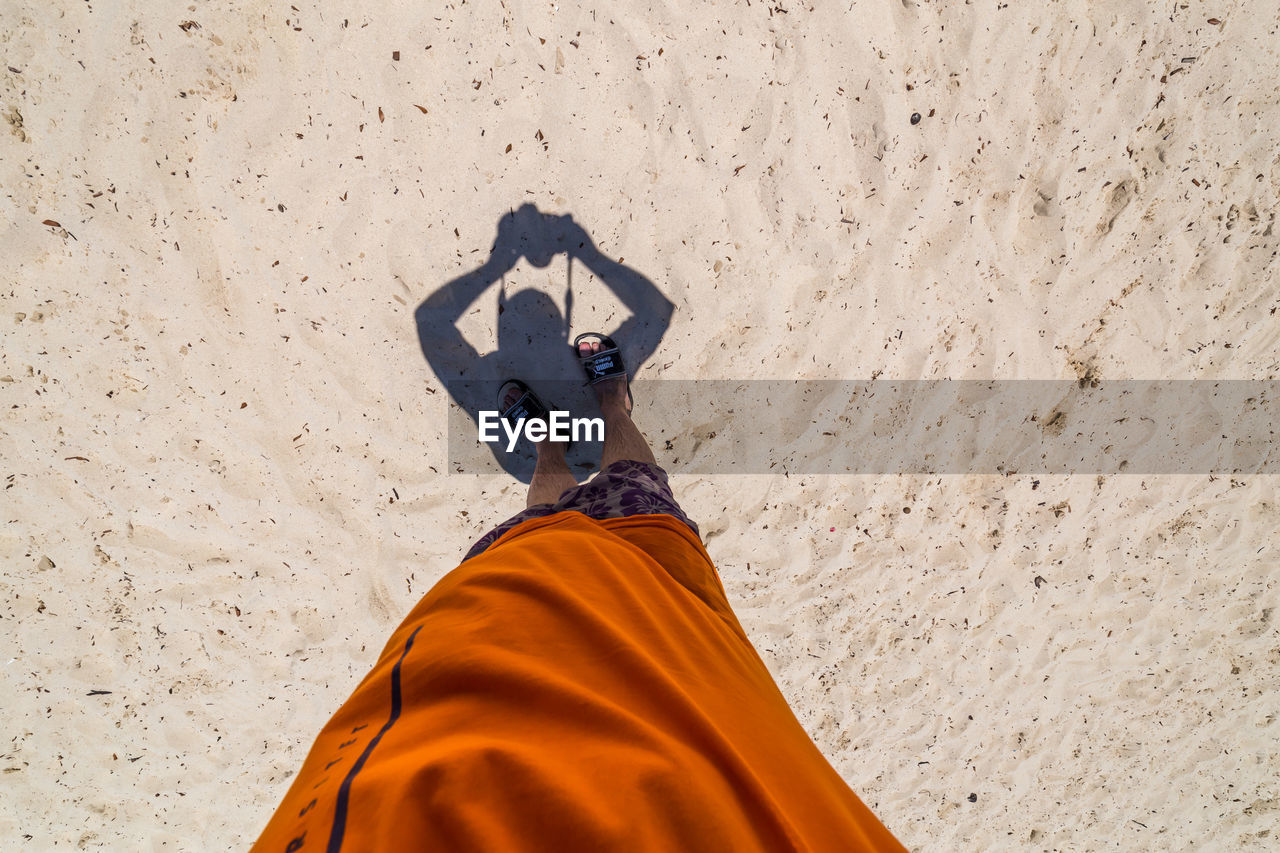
{"points": [[651, 311], [444, 347]]}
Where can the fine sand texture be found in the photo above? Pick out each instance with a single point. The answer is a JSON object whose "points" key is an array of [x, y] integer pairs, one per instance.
{"points": [[224, 459]]}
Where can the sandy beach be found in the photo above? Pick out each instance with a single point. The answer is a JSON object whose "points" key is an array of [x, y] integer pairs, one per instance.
{"points": [[226, 475]]}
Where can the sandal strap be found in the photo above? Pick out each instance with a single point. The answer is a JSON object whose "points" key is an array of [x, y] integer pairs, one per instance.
{"points": [[526, 406], [606, 364]]}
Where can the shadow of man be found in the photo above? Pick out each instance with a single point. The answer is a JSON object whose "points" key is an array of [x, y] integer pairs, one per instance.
{"points": [[533, 337]]}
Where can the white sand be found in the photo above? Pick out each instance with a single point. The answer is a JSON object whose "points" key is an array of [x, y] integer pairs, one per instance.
{"points": [[212, 384]]}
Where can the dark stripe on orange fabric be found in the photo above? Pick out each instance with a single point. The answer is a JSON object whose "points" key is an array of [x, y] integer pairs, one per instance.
{"points": [[344, 792]]}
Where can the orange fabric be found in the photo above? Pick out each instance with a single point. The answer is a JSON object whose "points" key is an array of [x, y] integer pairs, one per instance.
{"points": [[580, 685]]}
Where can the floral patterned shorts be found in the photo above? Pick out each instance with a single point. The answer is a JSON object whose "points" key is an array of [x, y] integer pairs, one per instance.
{"points": [[624, 488]]}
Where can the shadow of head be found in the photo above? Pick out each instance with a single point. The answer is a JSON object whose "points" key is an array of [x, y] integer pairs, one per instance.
{"points": [[529, 316], [531, 336]]}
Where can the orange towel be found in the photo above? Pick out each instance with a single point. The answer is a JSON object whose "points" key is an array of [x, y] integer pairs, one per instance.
{"points": [[580, 685]]}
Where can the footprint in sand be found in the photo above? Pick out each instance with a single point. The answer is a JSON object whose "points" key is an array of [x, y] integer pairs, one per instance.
{"points": [[1117, 200]]}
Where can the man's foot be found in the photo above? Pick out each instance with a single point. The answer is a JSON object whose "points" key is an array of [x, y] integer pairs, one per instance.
{"points": [[610, 393], [509, 399]]}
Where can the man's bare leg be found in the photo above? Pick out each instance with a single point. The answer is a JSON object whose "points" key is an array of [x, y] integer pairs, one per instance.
{"points": [[622, 438], [551, 475]]}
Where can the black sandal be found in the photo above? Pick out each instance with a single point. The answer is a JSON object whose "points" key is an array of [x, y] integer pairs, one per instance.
{"points": [[526, 406], [605, 364]]}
